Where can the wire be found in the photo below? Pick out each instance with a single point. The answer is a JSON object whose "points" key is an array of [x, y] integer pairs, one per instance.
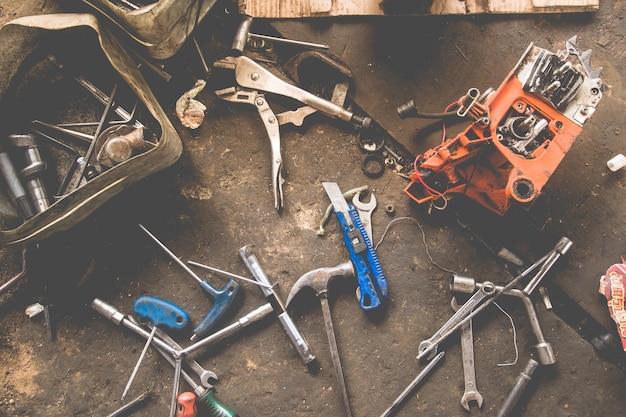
{"points": [[430, 258], [514, 337]]}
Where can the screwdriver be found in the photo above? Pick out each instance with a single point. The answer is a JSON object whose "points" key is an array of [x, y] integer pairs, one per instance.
{"points": [[222, 299], [160, 313], [205, 401]]}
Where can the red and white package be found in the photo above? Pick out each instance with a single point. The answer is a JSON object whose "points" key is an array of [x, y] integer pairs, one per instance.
{"points": [[612, 287]]}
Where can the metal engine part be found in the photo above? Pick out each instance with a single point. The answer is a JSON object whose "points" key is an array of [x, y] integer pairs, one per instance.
{"points": [[518, 137]]}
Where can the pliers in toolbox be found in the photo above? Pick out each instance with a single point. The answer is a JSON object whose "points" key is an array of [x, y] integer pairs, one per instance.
{"points": [[254, 80]]}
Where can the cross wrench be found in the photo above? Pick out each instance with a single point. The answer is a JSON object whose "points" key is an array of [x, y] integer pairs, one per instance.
{"points": [[561, 248], [365, 211], [469, 371], [204, 374], [487, 290]]}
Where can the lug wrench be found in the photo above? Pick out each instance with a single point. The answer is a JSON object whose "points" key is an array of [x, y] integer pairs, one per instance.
{"points": [[545, 353], [176, 355], [562, 246]]}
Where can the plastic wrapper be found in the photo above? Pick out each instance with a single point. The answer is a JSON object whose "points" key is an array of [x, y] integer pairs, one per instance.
{"points": [[612, 287]]}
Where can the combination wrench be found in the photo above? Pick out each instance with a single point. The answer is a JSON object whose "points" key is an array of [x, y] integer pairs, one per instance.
{"points": [[365, 211], [469, 365], [429, 346]]}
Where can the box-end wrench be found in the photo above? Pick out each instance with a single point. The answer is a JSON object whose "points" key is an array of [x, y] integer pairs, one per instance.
{"points": [[487, 290], [469, 365], [365, 211]]}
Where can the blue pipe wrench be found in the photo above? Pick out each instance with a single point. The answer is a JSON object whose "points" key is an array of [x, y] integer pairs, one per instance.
{"points": [[369, 273]]}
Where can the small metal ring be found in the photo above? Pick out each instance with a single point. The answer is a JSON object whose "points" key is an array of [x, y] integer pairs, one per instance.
{"points": [[373, 166], [370, 143]]}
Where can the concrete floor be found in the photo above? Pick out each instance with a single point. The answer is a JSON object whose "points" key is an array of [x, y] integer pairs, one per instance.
{"points": [[218, 198]]}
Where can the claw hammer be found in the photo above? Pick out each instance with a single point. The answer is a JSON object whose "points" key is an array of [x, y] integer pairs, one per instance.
{"points": [[319, 279]]}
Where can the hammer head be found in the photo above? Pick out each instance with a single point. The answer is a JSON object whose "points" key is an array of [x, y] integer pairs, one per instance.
{"points": [[320, 278]]}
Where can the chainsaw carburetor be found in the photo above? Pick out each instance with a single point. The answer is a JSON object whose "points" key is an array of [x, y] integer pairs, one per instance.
{"points": [[518, 136]]}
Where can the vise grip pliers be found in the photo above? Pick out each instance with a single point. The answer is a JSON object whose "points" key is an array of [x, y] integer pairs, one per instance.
{"points": [[253, 80]]}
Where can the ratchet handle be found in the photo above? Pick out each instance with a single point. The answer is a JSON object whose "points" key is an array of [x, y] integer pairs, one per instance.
{"points": [[213, 407], [369, 298]]}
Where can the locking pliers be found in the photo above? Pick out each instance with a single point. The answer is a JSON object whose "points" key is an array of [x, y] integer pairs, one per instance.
{"points": [[253, 81]]}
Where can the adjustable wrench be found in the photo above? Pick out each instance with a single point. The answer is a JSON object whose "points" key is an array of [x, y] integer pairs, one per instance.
{"points": [[365, 211], [583, 57], [469, 371], [487, 290]]}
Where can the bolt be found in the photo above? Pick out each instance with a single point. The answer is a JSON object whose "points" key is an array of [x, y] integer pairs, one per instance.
{"points": [[255, 76], [31, 173]]}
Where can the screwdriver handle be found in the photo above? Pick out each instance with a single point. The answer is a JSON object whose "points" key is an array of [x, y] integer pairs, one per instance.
{"points": [[222, 299], [186, 405], [214, 408], [161, 312]]}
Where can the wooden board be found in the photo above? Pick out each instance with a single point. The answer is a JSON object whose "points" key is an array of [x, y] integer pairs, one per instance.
{"points": [[321, 8]]}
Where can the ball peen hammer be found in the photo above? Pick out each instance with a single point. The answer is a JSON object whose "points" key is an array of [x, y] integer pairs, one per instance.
{"points": [[319, 280]]}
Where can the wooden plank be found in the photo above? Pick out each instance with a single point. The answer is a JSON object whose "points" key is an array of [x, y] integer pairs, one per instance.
{"points": [[319, 8]]}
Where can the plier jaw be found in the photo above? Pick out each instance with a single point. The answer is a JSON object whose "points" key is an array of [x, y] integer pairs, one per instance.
{"points": [[271, 123]]}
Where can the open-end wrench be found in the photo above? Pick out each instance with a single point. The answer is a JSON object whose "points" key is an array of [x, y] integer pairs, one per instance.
{"points": [[469, 371], [487, 290], [365, 211]]}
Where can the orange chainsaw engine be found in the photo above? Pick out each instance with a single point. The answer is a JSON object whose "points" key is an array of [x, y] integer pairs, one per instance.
{"points": [[518, 136]]}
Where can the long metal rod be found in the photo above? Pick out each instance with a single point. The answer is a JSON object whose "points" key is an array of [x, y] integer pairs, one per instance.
{"points": [[171, 254], [143, 353], [289, 41], [130, 405], [92, 146], [228, 274], [398, 401]]}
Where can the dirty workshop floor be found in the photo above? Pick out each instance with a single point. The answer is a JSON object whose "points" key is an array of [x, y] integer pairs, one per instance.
{"points": [[218, 198]]}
